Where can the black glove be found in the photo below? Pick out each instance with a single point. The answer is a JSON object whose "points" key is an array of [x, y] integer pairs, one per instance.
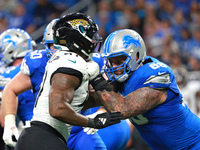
{"points": [[116, 85], [105, 119], [100, 84]]}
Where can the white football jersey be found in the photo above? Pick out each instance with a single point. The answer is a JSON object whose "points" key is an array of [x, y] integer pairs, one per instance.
{"points": [[61, 62]]}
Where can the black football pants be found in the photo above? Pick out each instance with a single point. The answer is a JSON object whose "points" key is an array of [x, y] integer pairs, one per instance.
{"points": [[40, 136]]}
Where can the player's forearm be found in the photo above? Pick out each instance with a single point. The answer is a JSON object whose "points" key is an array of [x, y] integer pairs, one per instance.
{"points": [[92, 101], [9, 101], [135, 103], [111, 101], [19, 84]]}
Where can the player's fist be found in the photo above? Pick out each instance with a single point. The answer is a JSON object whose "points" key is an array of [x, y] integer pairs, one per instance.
{"points": [[105, 119]]}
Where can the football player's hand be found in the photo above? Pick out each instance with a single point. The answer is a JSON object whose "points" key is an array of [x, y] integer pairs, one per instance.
{"points": [[92, 69], [105, 119], [89, 130], [100, 84], [10, 134]]}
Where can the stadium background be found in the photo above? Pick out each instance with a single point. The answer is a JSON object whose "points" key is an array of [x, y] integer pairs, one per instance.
{"points": [[170, 29]]}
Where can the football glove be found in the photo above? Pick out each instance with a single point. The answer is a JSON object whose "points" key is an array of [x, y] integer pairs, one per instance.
{"points": [[105, 119], [89, 130], [100, 84], [11, 133]]}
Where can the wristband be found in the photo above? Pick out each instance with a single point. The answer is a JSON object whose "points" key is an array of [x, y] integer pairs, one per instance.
{"points": [[91, 123], [9, 119]]}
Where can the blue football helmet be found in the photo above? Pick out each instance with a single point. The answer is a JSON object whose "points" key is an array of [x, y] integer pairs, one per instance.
{"points": [[48, 38], [125, 42], [14, 43]]}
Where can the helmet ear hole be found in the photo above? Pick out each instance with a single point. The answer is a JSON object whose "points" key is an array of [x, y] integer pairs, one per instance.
{"points": [[137, 56], [11, 52]]}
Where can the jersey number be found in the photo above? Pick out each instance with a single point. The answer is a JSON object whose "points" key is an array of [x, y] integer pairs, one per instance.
{"points": [[157, 65], [36, 54], [10, 69], [140, 120]]}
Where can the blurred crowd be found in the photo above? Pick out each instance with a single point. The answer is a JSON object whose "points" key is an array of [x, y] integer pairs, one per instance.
{"points": [[29, 15], [170, 29]]}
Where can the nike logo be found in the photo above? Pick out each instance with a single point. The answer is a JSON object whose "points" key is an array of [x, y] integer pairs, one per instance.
{"points": [[103, 120], [159, 73], [74, 61]]}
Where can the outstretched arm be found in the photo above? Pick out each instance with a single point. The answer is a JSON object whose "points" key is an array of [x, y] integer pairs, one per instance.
{"points": [[16, 86], [60, 98], [135, 103]]}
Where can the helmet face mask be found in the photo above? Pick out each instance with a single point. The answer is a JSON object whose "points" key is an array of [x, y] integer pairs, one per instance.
{"points": [[124, 42], [14, 43], [124, 67], [48, 38], [77, 32]]}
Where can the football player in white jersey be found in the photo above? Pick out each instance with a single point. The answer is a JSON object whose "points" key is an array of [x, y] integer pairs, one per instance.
{"points": [[65, 87]]}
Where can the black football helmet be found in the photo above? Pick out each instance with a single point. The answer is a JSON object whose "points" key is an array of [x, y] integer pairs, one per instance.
{"points": [[76, 32]]}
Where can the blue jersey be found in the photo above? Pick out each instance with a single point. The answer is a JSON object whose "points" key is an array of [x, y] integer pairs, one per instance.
{"points": [[26, 100], [170, 125], [36, 62], [34, 66], [7, 75]]}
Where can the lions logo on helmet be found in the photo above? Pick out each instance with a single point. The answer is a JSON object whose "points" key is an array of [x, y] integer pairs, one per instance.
{"points": [[128, 40], [14, 43]]}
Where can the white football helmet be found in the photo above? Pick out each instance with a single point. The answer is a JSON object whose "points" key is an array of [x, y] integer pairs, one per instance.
{"points": [[14, 43], [48, 37], [123, 42]]}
